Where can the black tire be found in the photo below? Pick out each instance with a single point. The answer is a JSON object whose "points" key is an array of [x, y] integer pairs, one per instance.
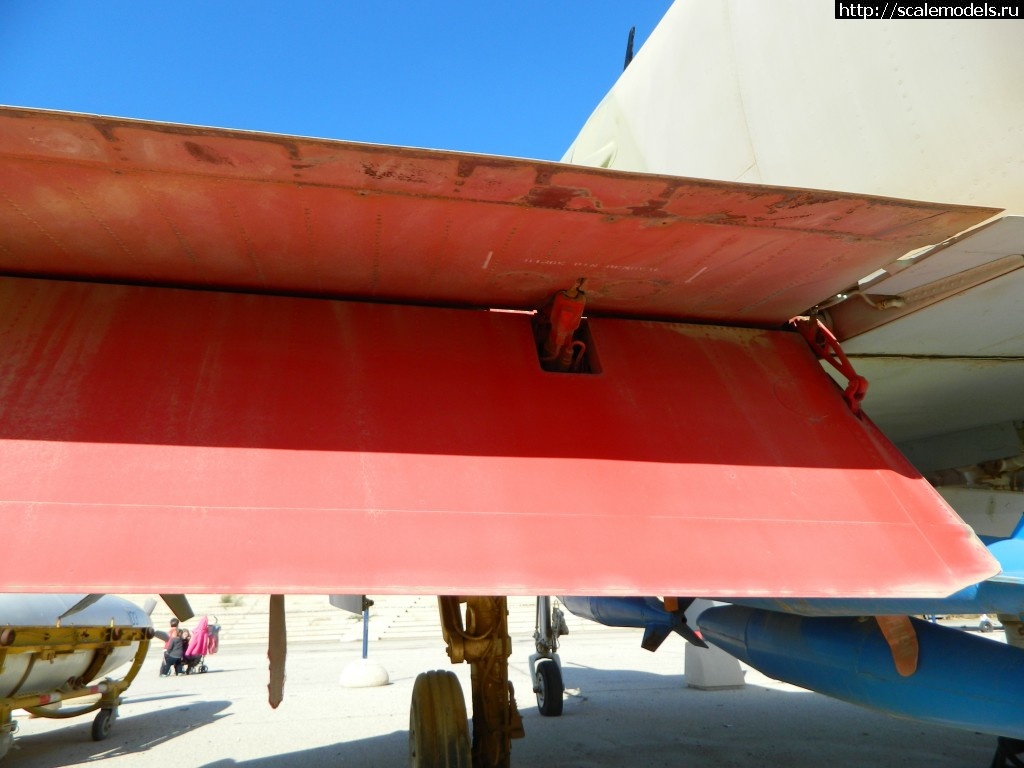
{"points": [[438, 726], [550, 688], [102, 724]]}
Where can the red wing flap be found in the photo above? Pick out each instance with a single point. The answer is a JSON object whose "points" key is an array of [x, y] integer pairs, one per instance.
{"points": [[311, 446], [124, 201]]}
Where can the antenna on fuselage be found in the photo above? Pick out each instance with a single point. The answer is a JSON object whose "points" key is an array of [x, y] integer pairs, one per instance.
{"points": [[629, 47]]}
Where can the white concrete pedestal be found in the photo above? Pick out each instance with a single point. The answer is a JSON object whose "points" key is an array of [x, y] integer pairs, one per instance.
{"points": [[711, 669], [363, 673]]}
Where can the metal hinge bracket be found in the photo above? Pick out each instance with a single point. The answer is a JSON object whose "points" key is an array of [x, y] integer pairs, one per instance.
{"points": [[826, 347]]}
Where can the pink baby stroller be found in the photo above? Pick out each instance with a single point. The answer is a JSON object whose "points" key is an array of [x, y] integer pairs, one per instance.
{"points": [[205, 639]]}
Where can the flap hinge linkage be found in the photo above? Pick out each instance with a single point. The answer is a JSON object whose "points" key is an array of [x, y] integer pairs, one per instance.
{"points": [[826, 347], [555, 327]]}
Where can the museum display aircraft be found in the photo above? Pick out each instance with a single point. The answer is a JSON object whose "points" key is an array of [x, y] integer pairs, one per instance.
{"points": [[500, 376]]}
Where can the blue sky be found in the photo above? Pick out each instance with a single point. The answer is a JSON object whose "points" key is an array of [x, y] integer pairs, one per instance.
{"points": [[514, 78]]}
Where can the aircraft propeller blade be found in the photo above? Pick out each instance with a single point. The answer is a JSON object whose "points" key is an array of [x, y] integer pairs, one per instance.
{"points": [[179, 606], [81, 605]]}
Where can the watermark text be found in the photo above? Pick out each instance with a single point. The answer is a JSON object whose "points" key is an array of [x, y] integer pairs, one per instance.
{"points": [[924, 9]]}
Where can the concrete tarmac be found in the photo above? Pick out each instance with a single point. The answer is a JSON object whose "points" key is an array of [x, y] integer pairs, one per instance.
{"points": [[624, 707]]}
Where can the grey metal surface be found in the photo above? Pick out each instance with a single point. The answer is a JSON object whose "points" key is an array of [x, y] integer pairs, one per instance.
{"points": [[954, 364]]}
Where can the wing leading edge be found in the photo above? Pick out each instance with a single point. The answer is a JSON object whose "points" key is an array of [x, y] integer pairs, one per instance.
{"points": [[125, 201]]}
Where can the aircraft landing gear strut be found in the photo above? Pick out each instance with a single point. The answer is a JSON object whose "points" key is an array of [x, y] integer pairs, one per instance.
{"points": [[438, 735], [7, 730], [545, 666]]}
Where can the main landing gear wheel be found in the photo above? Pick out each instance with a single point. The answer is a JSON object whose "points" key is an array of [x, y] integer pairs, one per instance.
{"points": [[549, 687], [102, 723], [438, 726]]}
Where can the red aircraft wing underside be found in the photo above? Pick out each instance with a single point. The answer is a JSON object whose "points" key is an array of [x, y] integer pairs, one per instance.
{"points": [[280, 444], [288, 444]]}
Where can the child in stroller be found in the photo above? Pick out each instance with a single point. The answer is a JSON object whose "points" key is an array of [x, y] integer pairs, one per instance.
{"points": [[202, 641]]}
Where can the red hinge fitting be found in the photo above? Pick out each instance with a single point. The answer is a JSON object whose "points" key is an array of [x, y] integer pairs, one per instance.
{"points": [[555, 327], [826, 347]]}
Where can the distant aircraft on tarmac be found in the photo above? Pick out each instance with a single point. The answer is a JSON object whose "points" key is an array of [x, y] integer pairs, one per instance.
{"points": [[479, 376]]}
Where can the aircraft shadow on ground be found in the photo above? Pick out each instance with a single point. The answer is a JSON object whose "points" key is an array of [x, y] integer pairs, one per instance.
{"points": [[614, 718], [130, 734]]}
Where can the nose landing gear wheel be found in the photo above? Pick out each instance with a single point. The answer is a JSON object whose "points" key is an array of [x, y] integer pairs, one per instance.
{"points": [[438, 726], [102, 723], [549, 688]]}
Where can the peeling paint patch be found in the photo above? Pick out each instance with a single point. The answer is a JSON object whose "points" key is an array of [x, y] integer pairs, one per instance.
{"points": [[553, 197], [206, 154], [654, 209], [411, 175], [106, 131]]}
